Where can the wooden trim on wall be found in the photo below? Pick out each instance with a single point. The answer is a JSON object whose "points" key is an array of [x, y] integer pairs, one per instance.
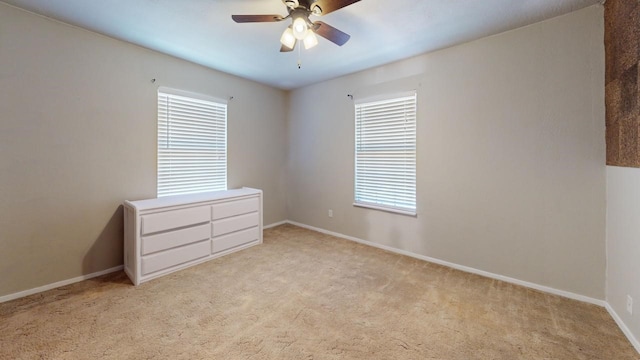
{"points": [[622, 95]]}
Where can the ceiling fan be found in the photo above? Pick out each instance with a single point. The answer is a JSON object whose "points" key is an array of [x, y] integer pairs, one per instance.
{"points": [[301, 27]]}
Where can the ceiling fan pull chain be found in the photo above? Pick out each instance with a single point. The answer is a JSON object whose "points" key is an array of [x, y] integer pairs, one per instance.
{"points": [[299, 61]]}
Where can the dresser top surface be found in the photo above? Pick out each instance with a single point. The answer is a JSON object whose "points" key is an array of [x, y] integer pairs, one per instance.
{"points": [[176, 200]]}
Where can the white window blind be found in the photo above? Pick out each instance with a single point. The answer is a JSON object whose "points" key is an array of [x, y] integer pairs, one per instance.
{"points": [[385, 164], [192, 143]]}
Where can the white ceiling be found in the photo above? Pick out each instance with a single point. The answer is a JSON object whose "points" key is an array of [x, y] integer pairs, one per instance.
{"points": [[382, 31]]}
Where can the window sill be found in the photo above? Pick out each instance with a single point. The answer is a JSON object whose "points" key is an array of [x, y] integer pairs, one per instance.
{"points": [[387, 209]]}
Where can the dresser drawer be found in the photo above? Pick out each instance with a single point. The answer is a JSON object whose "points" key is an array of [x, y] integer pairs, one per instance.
{"points": [[225, 226], [235, 239], [233, 208], [171, 239], [173, 257], [175, 219]]}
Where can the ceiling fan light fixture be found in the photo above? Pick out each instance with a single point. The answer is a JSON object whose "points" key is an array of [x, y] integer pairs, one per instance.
{"points": [[300, 28], [310, 40], [288, 39], [292, 3]]}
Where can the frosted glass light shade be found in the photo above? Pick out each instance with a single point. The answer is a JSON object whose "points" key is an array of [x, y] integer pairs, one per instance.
{"points": [[310, 40], [299, 28], [288, 39]]}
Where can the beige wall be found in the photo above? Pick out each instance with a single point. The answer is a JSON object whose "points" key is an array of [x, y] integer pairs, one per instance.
{"points": [[510, 164], [77, 137], [511, 154], [623, 246], [622, 91]]}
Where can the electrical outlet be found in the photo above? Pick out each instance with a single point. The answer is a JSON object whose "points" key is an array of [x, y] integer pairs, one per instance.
{"points": [[330, 213], [629, 304]]}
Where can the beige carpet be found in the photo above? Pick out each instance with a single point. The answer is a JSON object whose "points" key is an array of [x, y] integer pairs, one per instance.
{"points": [[304, 295]]}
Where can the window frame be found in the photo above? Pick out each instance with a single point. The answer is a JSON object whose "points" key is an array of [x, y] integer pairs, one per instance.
{"points": [[388, 98], [216, 103]]}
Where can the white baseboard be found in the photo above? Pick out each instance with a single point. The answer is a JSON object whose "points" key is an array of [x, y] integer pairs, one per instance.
{"points": [[550, 290], [39, 289], [467, 269], [623, 327], [543, 288], [547, 289], [274, 224]]}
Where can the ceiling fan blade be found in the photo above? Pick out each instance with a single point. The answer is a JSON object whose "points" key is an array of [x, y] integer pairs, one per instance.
{"points": [[256, 18], [286, 49], [330, 33], [327, 6]]}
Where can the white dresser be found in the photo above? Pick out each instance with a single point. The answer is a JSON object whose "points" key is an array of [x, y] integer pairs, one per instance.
{"points": [[171, 233]]}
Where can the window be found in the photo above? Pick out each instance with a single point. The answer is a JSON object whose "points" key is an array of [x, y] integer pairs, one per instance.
{"points": [[192, 143], [385, 164]]}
